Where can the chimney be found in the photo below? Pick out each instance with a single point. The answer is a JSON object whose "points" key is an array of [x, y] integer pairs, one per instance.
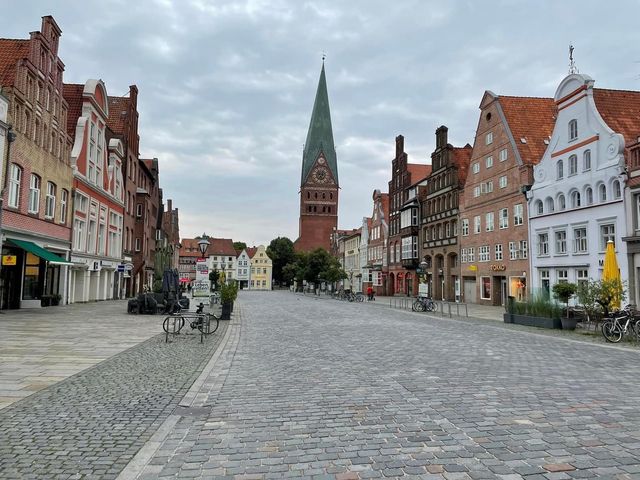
{"points": [[169, 205], [399, 145], [133, 95]]}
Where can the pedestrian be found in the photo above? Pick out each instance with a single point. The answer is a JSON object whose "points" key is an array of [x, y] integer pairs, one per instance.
{"points": [[370, 293], [189, 288]]}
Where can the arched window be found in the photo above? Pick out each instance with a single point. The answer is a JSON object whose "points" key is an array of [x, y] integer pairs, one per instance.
{"points": [[308, 195], [588, 196], [559, 170], [331, 196], [586, 160], [549, 205], [561, 202], [573, 164], [602, 193], [538, 207], [575, 199], [573, 129], [324, 195], [617, 191], [316, 195]]}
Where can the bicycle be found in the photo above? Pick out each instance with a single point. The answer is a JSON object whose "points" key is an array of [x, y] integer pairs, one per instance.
{"points": [[621, 323], [359, 297], [424, 304], [198, 320]]}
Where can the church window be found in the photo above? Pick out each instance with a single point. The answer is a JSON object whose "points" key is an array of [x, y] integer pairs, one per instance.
{"points": [[316, 195], [329, 209], [324, 209], [324, 195], [331, 196], [308, 195]]}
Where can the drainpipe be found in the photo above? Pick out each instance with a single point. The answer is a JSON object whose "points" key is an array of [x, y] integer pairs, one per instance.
{"points": [[11, 137]]}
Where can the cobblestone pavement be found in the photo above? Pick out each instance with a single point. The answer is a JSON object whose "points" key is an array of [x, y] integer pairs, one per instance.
{"points": [[324, 389], [40, 347], [91, 424]]}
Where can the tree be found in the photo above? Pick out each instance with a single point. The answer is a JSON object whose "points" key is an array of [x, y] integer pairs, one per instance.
{"points": [[563, 291], [214, 276], [314, 267], [281, 253], [239, 246], [601, 294]]}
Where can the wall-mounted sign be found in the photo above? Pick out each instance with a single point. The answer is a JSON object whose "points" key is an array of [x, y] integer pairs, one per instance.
{"points": [[9, 260], [498, 268], [473, 268]]}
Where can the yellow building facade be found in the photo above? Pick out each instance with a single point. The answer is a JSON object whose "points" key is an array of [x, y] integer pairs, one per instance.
{"points": [[261, 270]]}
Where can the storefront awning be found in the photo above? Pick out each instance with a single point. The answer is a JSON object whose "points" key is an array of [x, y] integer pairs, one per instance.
{"points": [[39, 252]]}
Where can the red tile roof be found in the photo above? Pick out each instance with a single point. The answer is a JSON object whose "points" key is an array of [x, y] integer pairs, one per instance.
{"points": [[118, 108], [251, 251], [461, 157], [11, 51], [620, 109], [418, 171], [530, 118], [217, 246], [72, 93]]}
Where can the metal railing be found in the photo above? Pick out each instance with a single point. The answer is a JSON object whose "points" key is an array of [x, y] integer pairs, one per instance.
{"points": [[445, 308]]}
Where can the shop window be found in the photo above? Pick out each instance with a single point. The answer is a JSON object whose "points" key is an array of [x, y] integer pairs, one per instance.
{"points": [[32, 277], [485, 288]]}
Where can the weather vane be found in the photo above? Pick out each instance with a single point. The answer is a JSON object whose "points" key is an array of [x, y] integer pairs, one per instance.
{"points": [[572, 63], [324, 55]]}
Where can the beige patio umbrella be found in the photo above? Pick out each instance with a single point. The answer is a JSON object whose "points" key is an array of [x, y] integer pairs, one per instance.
{"points": [[610, 270]]}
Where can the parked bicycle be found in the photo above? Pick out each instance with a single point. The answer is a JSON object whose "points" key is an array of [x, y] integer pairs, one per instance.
{"points": [[424, 304], [198, 320], [621, 323]]}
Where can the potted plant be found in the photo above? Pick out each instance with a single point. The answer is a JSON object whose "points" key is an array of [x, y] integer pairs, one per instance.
{"points": [[563, 292], [228, 294], [536, 311], [55, 300]]}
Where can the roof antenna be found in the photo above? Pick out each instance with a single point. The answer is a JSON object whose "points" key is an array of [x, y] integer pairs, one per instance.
{"points": [[323, 57], [572, 64]]}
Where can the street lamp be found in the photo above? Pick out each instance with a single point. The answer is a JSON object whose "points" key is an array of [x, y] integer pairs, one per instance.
{"points": [[224, 267], [203, 244]]}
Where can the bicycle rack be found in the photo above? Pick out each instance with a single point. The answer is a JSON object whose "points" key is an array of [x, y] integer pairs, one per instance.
{"points": [[175, 319]]}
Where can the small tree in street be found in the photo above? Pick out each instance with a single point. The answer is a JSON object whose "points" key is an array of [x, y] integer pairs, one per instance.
{"points": [[281, 253], [563, 292], [214, 276]]}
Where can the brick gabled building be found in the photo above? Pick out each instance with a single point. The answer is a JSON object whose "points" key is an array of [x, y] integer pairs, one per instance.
{"points": [[147, 224], [171, 233], [36, 226], [123, 122], [403, 229], [440, 216], [377, 259], [512, 135], [98, 206]]}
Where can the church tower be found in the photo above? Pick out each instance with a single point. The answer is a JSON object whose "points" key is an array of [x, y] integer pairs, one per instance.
{"points": [[319, 182]]}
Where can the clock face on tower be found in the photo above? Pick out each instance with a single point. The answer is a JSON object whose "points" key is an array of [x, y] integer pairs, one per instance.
{"points": [[320, 175]]}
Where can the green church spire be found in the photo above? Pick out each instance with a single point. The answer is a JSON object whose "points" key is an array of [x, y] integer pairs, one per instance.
{"points": [[320, 134]]}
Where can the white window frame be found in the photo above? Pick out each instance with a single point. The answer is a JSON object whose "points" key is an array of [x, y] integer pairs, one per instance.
{"points": [[482, 281], [503, 218], [488, 162], [34, 193], [64, 198], [518, 214], [607, 231], [503, 181], [489, 222], [498, 252], [488, 139], [475, 167], [513, 251], [15, 178], [503, 154], [586, 161], [477, 224], [580, 240], [465, 227], [484, 253], [543, 244], [50, 201], [573, 165], [524, 251], [573, 129], [560, 237]]}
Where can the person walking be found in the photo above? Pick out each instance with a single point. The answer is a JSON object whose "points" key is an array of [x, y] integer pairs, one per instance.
{"points": [[370, 293]]}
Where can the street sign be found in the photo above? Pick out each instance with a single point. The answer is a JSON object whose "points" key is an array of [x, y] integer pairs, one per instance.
{"points": [[121, 268], [8, 260], [128, 267]]}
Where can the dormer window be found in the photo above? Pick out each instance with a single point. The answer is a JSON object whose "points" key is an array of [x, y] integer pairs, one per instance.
{"points": [[573, 129]]}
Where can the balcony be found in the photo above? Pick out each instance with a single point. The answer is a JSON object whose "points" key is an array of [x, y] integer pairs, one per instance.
{"points": [[410, 263]]}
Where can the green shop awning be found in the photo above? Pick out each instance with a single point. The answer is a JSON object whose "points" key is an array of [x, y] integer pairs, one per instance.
{"points": [[39, 251]]}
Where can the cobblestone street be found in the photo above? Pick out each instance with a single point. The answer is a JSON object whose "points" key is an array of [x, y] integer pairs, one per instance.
{"points": [[306, 387], [324, 389]]}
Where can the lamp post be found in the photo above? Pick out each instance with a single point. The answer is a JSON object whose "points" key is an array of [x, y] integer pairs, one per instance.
{"points": [[223, 265], [203, 245]]}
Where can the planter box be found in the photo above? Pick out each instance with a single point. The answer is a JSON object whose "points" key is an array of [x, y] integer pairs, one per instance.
{"points": [[569, 323], [540, 322], [226, 311]]}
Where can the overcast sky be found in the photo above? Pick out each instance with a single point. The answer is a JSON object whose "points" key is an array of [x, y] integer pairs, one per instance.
{"points": [[227, 87]]}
